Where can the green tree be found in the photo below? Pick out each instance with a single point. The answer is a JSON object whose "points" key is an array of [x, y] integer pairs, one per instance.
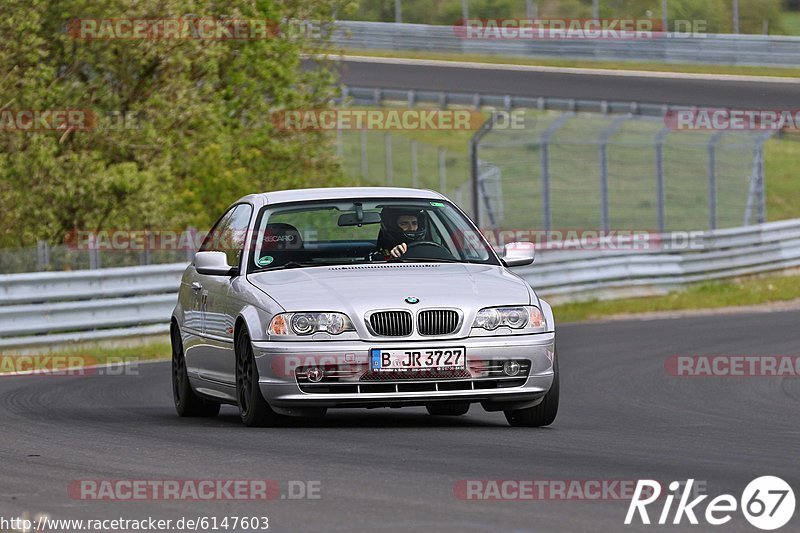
{"points": [[201, 137]]}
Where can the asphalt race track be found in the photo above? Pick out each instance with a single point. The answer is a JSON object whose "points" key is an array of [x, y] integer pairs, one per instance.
{"points": [[733, 93], [622, 418]]}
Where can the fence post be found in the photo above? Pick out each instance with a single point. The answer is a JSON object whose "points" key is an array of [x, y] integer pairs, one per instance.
{"points": [[147, 252], [761, 193], [414, 167], [339, 143], [603, 155], [387, 152], [712, 179], [94, 257], [661, 137], [364, 162], [42, 255], [474, 171], [442, 170], [762, 188], [530, 9], [544, 143]]}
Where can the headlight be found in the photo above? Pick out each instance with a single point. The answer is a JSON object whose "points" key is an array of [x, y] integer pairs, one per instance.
{"points": [[307, 323], [518, 317]]}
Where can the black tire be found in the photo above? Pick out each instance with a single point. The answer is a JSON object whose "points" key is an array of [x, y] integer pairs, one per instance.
{"points": [[253, 408], [187, 403], [447, 408], [539, 415]]}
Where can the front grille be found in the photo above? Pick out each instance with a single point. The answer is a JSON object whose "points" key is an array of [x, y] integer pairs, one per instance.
{"points": [[415, 375], [391, 323], [437, 322]]}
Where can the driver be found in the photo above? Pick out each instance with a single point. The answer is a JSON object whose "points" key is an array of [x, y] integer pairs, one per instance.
{"points": [[399, 226]]}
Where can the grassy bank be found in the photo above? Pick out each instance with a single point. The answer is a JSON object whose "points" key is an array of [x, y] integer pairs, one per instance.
{"points": [[78, 356], [707, 295]]}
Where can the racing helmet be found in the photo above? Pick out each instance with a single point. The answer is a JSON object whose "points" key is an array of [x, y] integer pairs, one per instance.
{"points": [[390, 228]]}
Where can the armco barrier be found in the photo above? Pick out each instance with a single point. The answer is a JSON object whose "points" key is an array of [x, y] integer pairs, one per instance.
{"points": [[729, 49], [57, 308], [47, 308]]}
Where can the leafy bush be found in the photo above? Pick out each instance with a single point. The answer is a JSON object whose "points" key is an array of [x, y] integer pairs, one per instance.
{"points": [[202, 135]]}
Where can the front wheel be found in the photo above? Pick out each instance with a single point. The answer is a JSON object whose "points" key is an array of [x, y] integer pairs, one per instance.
{"points": [[253, 408], [539, 415], [187, 403]]}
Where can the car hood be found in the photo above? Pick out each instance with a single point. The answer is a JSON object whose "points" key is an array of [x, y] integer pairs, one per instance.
{"points": [[357, 289]]}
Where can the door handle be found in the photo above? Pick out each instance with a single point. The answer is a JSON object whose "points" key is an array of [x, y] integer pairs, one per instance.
{"points": [[196, 286]]}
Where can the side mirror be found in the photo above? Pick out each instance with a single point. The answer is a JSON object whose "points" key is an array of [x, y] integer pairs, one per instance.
{"points": [[212, 263], [518, 254]]}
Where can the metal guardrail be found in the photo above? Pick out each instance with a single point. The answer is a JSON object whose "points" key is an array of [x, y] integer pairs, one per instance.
{"points": [[44, 309], [54, 308], [577, 275], [730, 49], [379, 96]]}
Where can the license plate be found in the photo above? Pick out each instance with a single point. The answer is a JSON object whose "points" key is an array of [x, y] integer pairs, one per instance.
{"points": [[423, 359]]}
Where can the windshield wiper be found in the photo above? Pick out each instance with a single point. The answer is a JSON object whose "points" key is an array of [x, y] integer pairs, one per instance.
{"points": [[425, 260], [303, 264], [292, 264]]}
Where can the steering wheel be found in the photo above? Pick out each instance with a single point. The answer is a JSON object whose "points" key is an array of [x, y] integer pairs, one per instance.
{"points": [[439, 251], [415, 244]]}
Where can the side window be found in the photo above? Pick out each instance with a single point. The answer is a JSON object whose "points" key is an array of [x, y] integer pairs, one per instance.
{"points": [[229, 234]]}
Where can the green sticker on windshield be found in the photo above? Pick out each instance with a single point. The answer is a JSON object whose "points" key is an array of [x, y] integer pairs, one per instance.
{"points": [[437, 204], [264, 261]]}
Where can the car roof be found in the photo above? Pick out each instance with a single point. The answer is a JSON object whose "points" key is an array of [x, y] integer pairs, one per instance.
{"points": [[335, 193]]}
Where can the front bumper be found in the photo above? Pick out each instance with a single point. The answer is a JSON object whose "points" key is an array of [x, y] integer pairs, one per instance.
{"points": [[277, 363]]}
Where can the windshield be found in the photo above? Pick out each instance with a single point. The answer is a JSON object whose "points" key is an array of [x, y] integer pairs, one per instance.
{"points": [[307, 234]]}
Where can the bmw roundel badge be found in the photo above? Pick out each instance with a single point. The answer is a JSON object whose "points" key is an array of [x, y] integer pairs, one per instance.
{"points": [[412, 300]]}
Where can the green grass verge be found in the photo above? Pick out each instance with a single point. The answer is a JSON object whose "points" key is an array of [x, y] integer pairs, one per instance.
{"points": [[652, 66], [707, 295], [144, 352], [85, 356], [791, 22], [783, 184]]}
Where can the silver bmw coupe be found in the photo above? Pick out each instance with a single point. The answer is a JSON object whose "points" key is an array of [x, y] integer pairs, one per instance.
{"points": [[302, 300]]}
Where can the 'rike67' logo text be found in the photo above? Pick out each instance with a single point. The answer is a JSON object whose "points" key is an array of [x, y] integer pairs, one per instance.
{"points": [[767, 503]]}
